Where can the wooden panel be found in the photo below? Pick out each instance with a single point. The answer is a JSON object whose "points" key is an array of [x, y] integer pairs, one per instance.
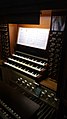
{"points": [[44, 23], [13, 36], [45, 12], [49, 83], [29, 25]]}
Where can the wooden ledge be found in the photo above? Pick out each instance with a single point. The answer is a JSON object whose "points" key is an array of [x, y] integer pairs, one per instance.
{"points": [[49, 83]]}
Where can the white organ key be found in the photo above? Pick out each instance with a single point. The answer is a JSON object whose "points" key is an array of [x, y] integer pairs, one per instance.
{"points": [[23, 70], [31, 60], [28, 65]]}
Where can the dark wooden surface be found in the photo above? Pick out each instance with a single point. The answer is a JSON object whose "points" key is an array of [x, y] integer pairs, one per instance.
{"points": [[50, 83]]}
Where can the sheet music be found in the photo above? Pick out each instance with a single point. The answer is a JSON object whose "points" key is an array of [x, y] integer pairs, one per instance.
{"points": [[33, 37]]}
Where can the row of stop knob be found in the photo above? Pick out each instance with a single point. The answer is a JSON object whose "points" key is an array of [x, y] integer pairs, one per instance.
{"points": [[44, 93]]}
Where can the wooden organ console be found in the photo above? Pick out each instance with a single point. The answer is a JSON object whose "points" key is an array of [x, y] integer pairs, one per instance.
{"points": [[30, 65], [36, 58]]}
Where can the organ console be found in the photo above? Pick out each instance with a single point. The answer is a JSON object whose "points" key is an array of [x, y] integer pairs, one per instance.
{"points": [[33, 66], [24, 93]]}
